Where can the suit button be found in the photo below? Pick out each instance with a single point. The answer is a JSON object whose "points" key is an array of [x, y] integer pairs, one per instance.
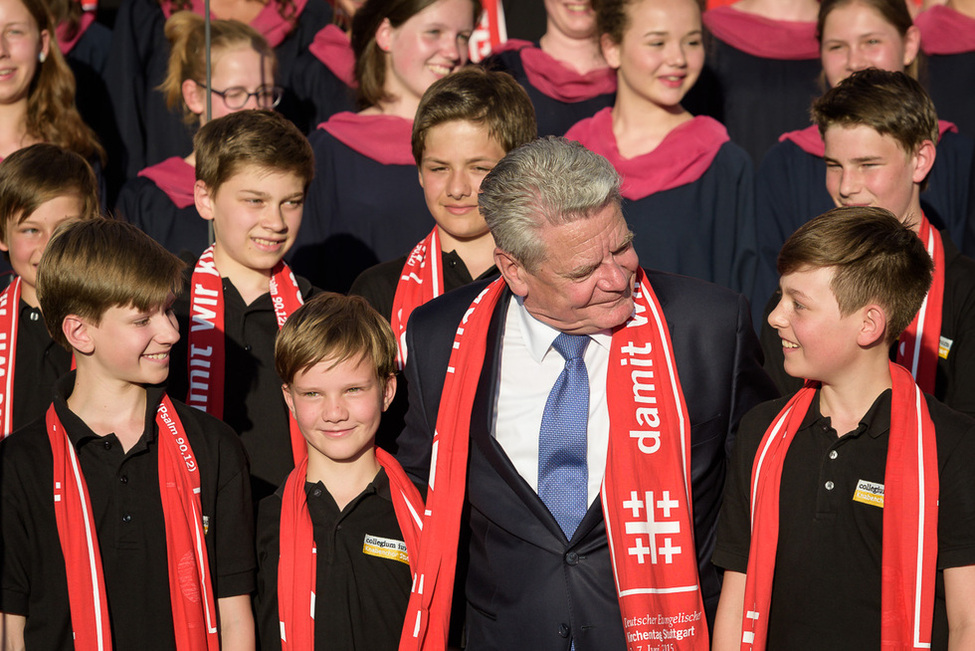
{"points": [[572, 558], [564, 630]]}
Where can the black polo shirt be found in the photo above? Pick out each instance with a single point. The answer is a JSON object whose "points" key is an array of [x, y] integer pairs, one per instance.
{"points": [[360, 597], [127, 509], [252, 402], [826, 590], [38, 365]]}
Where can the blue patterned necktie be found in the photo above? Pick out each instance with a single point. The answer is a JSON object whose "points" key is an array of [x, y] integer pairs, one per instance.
{"points": [[563, 476]]}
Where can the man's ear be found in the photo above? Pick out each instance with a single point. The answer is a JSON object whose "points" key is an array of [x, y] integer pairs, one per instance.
{"points": [[76, 331], [873, 326], [203, 199], [288, 399], [389, 391], [513, 272]]}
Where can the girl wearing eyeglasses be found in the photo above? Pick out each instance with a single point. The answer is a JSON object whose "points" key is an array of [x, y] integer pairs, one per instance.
{"points": [[140, 51], [160, 199]]}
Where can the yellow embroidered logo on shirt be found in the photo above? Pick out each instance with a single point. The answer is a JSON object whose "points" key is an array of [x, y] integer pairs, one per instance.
{"points": [[944, 347], [868, 492], [394, 550]]}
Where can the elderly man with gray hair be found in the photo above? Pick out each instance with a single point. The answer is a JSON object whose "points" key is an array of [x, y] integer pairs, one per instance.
{"points": [[572, 421]]}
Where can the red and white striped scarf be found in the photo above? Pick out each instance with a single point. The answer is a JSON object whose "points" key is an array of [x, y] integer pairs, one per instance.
{"points": [[297, 569], [917, 348], [646, 493], [9, 329], [190, 589], [421, 281], [910, 534], [206, 343]]}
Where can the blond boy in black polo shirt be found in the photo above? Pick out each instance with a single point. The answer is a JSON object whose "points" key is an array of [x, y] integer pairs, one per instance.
{"points": [[849, 510], [336, 541], [124, 515]]}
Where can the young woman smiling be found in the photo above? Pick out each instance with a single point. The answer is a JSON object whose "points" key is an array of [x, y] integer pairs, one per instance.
{"points": [[790, 187], [364, 205], [688, 187]]}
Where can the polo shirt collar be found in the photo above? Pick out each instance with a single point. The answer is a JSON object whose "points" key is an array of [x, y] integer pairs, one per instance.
{"points": [[875, 422], [78, 431]]}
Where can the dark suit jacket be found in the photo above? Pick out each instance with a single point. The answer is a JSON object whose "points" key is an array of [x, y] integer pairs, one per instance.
{"points": [[527, 586]]}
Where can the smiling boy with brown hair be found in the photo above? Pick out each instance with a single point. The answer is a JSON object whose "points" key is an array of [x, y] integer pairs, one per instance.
{"points": [[123, 511], [252, 169], [846, 504], [880, 130], [349, 501]]}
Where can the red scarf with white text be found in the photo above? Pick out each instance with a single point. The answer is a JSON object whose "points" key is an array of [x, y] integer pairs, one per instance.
{"points": [[917, 348], [421, 281], [910, 533], [206, 337], [646, 495], [9, 322], [190, 590], [297, 569]]}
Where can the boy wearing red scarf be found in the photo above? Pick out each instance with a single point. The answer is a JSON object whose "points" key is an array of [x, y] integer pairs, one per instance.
{"points": [[880, 130], [465, 124], [41, 186], [337, 541], [849, 510], [123, 511], [252, 171]]}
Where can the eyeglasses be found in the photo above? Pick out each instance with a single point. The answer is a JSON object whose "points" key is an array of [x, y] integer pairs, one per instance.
{"points": [[237, 97]]}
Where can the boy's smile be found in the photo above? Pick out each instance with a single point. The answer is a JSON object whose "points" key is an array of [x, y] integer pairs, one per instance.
{"points": [[338, 407], [133, 345], [457, 156], [865, 168], [816, 339], [256, 214]]}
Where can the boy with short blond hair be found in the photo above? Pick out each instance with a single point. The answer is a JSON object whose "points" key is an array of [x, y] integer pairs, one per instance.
{"points": [[253, 169], [123, 510], [848, 502], [880, 129], [348, 501], [41, 186]]}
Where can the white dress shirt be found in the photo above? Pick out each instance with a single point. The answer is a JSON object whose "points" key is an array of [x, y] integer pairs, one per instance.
{"points": [[529, 369]]}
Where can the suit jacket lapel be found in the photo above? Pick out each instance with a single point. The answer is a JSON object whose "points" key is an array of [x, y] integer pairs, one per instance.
{"points": [[482, 425]]}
